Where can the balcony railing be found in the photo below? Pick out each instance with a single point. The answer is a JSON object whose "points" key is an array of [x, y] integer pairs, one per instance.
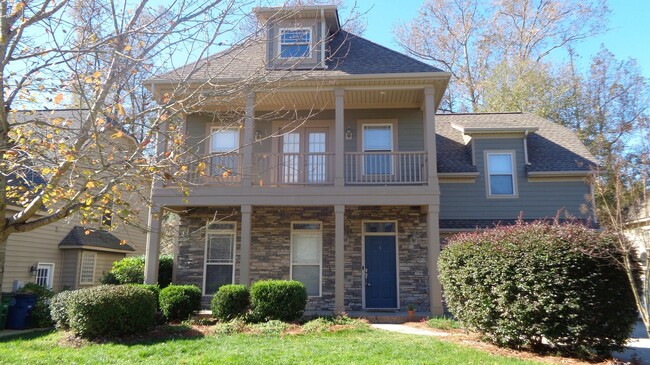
{"points": [[277, 169], [293, 169], [385, 168]]}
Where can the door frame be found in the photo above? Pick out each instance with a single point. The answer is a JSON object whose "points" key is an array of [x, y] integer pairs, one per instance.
{"points": [[363, 259], [50, 277]]}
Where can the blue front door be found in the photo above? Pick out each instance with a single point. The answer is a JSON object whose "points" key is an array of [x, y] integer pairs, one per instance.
{"points": [[381, 272]]}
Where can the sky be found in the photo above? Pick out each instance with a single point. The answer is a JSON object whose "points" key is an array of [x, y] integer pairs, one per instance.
{"points": [[628, 37]]}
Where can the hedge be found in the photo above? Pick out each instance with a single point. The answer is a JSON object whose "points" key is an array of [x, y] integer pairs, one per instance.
{"points": [[229, 302], [520, 284], [179, 302], [277, 299], [110, 310]]}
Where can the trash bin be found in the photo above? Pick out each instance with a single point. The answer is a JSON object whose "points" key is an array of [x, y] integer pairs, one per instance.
{"points": [[19, 310], [4, 308]]}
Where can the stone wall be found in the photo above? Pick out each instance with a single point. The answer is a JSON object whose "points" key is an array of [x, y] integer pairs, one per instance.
{"points": [[271, 244]]}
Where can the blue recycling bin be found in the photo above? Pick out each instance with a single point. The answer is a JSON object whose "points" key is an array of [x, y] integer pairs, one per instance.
{"points": [[20, 310]]}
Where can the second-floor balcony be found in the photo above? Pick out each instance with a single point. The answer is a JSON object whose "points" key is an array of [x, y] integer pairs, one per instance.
{"points": [[311, 169]]}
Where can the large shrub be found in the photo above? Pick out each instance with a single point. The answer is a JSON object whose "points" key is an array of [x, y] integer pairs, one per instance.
{"points": [[154, 289], [560, 282], [278, 299], [130, 270], [229, 302], [179, 302], [110, 310], [59, 309]]}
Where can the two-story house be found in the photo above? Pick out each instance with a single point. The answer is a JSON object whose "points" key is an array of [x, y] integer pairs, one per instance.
{"points": [[325, 162]]}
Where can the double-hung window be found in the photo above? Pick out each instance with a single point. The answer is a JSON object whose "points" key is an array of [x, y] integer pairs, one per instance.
{"points": [[306, 255], [219, 255], [224, 145], [501, 174], [378, 145], [295, 43]]}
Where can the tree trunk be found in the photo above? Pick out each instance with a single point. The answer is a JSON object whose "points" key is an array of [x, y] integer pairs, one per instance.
{"points": [[3, 252]]}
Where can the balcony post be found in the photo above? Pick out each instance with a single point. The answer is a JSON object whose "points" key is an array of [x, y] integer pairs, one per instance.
{"points": [[339, 139], [245, 260], [339, 258], [247, 146], [430, 137], [152, 250], [433, 248]]}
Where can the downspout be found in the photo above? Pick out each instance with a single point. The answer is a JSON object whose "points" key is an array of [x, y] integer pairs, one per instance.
{"points": [[322, 38], [526, 148]]}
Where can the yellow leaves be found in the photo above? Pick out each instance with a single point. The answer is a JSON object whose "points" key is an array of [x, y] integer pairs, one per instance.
{"points": [[118, 134], [97, 74], [100, 122], [18, 7], [90, 185], [184, 168], [120, 110], [127, 48], [87, 232], [226, 173], [58, 98]]}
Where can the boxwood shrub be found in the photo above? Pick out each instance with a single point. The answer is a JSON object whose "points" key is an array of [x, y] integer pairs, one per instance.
{"points": [[110, 310], [155, 289], [277, 299], [59, 309], [179, 302], [520, 284], [229, 302]]}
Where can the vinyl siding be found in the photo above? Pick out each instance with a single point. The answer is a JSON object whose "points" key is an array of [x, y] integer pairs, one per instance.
{"points": [[535, 199], [69, 264], [103, 263]]}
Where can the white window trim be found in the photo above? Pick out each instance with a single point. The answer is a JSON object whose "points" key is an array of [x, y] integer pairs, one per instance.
{"points": [[50, 276], [363, 258], [320, 251], [488, 182], [235, 151], [92, 279], [219, 129], [208, 231], [391, 125], [309, 44]]}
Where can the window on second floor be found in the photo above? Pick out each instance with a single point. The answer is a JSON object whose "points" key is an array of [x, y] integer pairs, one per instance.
{"points": [[501, 176], [295, 43], [224, 146]]}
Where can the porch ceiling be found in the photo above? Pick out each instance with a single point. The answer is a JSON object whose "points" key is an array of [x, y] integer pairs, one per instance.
{"points": [[353, 99]]}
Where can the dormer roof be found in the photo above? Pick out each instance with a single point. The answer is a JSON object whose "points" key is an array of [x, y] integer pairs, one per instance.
{"points": [[329, 12]]}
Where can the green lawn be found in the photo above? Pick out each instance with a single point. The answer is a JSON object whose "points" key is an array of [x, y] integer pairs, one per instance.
{"points": [[343, 347]]}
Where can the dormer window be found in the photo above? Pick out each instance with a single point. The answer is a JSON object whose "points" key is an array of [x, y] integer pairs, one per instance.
{"points": [[295, 43]]}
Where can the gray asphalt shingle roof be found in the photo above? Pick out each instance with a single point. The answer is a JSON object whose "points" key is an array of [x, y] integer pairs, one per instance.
{"points": [[349, 55], [551, 148], [96, 238]]}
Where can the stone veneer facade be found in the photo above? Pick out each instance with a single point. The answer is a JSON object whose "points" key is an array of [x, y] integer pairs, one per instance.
{"points": [[271, 243]]}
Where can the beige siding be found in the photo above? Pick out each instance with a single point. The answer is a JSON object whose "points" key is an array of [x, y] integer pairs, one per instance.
{"points": [[103, 263]]}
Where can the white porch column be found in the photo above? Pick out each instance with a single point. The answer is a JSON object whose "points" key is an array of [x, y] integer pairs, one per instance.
{"points": [[245, 254], [339, 139], [430, 136], [433, 249], [339, 258], [152, 253], [247, 146]]}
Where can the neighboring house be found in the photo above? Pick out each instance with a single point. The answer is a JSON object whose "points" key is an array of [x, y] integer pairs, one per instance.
{"points": [[335, 170], [63, 254]]}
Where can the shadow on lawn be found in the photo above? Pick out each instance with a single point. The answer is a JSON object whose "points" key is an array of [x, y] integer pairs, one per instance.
{"points": [[26, 335], [158, 334]]}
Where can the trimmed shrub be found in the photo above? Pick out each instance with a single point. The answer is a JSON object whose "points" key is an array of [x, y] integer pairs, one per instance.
{"points": [[59, 309], [109, 279], [520, 284], [40, 315], [179, 302], [277, 299], [110, 310], [229, 302], [165, 268], [155, 289]]}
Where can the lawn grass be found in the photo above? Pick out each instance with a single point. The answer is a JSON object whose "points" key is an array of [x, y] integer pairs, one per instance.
{"points": [[343, 347]]}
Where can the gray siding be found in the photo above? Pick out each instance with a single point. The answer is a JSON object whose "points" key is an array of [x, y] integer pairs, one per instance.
{"points": [[535, 199], [70, 262]]}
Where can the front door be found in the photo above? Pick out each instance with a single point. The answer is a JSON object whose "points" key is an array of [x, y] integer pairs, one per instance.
{"points": [[381, 272]]}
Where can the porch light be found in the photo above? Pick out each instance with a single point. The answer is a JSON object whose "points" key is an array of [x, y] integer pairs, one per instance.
{"points": [[348, 134], [258, 135], [33, 269]]}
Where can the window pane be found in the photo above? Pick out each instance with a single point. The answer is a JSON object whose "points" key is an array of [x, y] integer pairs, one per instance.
{"points": [[380, 227], [295, 36], [501, 185], [216, 276], [500, 164], [294, 51], [225, 140], [87, 268], [306, 248], [309, 275], [377, 138], [220, 248]]}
